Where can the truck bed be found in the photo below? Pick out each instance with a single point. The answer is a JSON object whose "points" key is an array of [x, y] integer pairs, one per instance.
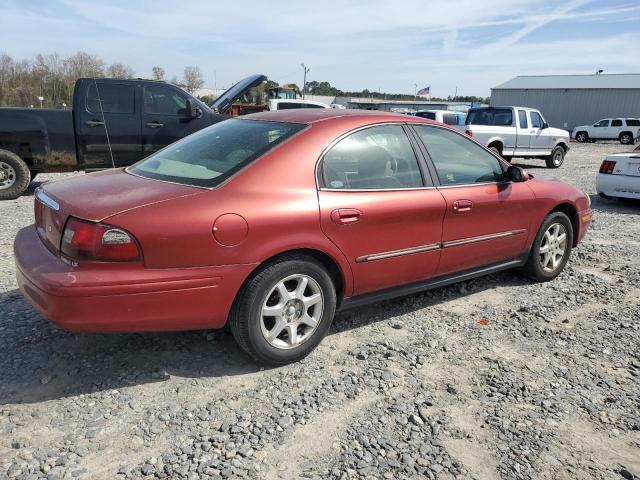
{"points": [[39, 135]]}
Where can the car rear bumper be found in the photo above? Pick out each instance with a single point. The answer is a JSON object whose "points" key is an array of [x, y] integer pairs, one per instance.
{"points": [[624, 186], [122, 298]]}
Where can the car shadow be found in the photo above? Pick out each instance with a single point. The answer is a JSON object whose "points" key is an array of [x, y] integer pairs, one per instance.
{"points": [[40, 362], [624, 206]]}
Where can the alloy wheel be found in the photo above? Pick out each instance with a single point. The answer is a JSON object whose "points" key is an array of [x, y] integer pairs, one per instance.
{"points": [[581, 137], [553, 247], [558, 157], [625, 139], [7, 176], [291, 311]]}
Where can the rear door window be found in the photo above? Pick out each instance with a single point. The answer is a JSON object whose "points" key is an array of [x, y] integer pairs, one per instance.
{"points": [[110, 98], [616, 123], [378, 157]]}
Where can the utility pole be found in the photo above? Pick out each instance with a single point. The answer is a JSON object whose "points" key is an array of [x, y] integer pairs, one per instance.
{"points": [[304, 79], [415, 92], [455, 95]]}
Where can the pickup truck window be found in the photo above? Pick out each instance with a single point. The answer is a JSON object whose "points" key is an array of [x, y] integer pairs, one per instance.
{"points": [[459, 160], [616, 123], [633, 122], [427, 115], [536, 120], [164, 100], [522, 119], [115, 98], [602, 123], [449, 119], [210, 156], [490, 116]]}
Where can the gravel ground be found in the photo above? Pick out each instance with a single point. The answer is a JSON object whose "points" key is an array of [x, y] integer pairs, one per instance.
{"points": [[492, 378]]}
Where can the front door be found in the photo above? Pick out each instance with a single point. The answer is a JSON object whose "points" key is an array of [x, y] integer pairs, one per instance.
{"points": [[378, 206], [108, 127], [540, 138], [601, 129], [487, 219], [164, 117]]}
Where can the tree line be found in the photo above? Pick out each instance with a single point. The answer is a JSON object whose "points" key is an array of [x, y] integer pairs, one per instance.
{"points": [[47, 80]]}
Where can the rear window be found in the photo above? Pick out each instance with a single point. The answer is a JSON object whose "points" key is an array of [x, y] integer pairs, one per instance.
{"points": [[210, 156], [427, 115], [110, 98], [490, 116], [633, 122]]}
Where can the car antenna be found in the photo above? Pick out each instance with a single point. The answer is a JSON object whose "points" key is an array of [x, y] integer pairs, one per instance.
{"points": [[104, 122]]}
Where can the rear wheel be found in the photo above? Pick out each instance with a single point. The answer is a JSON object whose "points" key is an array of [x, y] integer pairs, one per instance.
{"points": [[626, 138], [551, 248], [284, 311], [582, 137], [556, 158], [14, 176], [495, 149]]}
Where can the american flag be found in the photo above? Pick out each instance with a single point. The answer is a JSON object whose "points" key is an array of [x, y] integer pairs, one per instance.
{"points": [[424, 92]]}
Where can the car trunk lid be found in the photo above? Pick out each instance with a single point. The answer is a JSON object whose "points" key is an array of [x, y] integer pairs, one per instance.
{"points": [[96, 197], [626, 164]]}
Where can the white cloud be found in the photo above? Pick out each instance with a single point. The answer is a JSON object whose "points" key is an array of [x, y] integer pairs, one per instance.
{"points": [[376, 44]]}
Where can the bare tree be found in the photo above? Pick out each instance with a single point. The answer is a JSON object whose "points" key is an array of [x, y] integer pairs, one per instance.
{"points": [[158, 73], [83, 65], [192, 79], [119, 70]]}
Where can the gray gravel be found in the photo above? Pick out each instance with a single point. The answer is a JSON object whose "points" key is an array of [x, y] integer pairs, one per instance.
{"points": [[492, 378]]}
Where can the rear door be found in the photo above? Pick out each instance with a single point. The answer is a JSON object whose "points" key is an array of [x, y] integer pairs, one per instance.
{"points": [[378, 206], [108, 125], [616, 128], [487, 219], [164, 117]]}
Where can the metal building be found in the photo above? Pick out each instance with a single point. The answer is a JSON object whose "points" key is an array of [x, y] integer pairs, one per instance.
{"points": [[567, 101]]}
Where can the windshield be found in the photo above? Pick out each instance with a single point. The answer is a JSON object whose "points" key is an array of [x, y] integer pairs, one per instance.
{"points": [[490, 116], [210, 156]]}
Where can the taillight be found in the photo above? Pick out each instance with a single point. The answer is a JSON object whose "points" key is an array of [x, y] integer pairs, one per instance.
{"points": [[607, 166], [88, 241], [468, 132]]}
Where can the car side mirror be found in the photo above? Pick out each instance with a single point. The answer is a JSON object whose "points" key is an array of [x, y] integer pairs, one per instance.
{"points": [[517, 174], [192, 111], [545, 125]]}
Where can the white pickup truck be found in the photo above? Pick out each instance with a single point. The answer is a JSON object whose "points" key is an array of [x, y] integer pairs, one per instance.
{"points": [[625, 130], [518, 132]]}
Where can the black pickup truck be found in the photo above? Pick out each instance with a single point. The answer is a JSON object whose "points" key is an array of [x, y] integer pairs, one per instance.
{"points": [[114, 123]]}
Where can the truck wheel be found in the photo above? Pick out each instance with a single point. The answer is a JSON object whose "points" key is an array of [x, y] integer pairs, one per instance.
{"points": [[556, 158], [495, 148], [14, 176], [626, 138], [582, 137]]}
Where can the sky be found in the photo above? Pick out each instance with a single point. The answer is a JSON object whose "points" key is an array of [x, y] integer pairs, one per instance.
{"points": [[380, 45]]}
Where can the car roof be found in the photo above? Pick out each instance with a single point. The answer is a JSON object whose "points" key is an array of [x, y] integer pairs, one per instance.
{"points": [[315, 115]]}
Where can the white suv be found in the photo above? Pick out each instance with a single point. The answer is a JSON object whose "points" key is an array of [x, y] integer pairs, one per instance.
{"points": [[626, 130]]}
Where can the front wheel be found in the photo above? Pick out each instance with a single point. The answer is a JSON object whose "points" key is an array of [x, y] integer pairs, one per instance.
{"points": [[556, 159], [284, 311], [551, 248]]}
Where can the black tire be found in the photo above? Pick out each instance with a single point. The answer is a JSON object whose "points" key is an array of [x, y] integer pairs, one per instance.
{"points": [[534, 268], [582, 137], [495, 149], [14, 176], [246, 315], [626, 138], [556, 159]]}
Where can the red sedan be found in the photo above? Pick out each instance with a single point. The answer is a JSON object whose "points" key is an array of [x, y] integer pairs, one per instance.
{"points": [[274, 221]]}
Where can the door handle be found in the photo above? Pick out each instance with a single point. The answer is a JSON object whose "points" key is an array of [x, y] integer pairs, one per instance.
{"points": [[460, 206], [94, 123], [155, 124], [345, 216]]}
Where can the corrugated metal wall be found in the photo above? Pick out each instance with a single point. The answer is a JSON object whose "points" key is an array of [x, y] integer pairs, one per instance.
{"points": [[569, 108]]}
